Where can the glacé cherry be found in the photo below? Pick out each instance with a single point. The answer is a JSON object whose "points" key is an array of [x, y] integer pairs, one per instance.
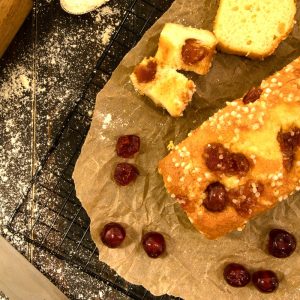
{"points": [[265, 281], [220, 159], [236, 275], [252, 95], [113, 234], [125, 173], [216, 197], [193, 52], [154, 244], [146, 73], [281, 243], [127, 145]]}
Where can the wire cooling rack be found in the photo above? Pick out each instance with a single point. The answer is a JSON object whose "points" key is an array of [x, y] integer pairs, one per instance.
{"points": [[50, 216]]}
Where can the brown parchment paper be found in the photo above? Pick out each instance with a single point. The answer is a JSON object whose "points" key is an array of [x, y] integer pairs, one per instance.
{"points": [[192, 267]]}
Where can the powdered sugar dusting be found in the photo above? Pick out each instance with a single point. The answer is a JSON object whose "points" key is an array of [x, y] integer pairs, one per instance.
{"points": [[107, 34]]}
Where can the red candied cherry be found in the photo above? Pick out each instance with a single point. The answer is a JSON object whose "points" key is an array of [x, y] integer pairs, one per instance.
{"points": [[154, 244], [289, 142], [236, 275], [220, 159], [146, 73], [216, 197], [281, 243], [127, 145], [193, 52], [265, 281], [252, 95], [125, 173], [113, 234], [217, 157]]}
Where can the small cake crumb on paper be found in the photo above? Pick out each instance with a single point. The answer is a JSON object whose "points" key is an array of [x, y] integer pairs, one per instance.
{"points": [[105, 12], [171, 146], [106, 121]]}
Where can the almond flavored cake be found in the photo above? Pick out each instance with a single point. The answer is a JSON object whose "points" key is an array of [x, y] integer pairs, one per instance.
{"points": [[243, 160], [163, 85], [253, 28]]}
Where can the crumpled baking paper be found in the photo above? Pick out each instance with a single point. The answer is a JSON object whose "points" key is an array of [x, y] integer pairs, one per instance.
{"points": [[192, 267]]}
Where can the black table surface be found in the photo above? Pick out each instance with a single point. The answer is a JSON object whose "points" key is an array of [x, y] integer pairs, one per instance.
{"points": [[42, 74]]}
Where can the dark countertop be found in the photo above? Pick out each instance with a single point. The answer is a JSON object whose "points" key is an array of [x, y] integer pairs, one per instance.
{"points": [[42, 75]]}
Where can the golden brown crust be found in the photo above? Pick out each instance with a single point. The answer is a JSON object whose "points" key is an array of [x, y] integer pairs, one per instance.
{"points": [[250, 129]]}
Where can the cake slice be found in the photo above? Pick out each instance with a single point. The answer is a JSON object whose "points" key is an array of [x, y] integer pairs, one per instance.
{"points": [[253, 28], [186, 48], [164, 85], [243, 160]]}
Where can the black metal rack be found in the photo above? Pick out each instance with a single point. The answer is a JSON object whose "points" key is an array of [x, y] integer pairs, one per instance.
{"points": [[60, 224]]}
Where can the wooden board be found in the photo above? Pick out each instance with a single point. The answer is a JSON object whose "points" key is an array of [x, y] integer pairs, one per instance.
{"points": [[12, 16], [19, 280]]}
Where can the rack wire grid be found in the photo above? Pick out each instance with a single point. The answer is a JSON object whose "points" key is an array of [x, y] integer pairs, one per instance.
{"points": [[60, 225]]}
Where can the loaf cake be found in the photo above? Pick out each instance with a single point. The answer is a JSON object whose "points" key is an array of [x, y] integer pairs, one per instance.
{"points": [[164, 85], [253, 28], [186, 48], [241, 161]]}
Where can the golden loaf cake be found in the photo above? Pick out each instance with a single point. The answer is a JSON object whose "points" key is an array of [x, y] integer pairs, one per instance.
{"points": [[253, 28], [163, 85], [186, 48], [241, 161]]}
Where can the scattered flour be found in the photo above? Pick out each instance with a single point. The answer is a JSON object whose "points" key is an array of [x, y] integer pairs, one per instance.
{"points": [[105, 12], [46, 95], [107, 34], [106, 121], [15, 158], [19, 82]]}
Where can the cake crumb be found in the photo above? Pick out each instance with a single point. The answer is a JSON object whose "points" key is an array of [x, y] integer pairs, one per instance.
{"points": [[171, 146], [106, 35]]}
